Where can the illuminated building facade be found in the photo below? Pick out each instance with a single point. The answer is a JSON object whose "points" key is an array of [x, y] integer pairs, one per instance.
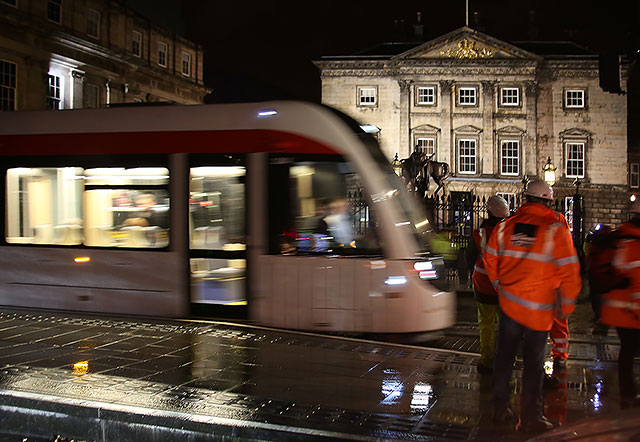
{"points": [[495, 112], [68, 54]]}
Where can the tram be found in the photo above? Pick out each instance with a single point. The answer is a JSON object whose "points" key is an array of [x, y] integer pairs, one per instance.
{"points": [[284, 213]]}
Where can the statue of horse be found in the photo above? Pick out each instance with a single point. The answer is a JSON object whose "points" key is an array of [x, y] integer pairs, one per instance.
{"points": [[419, 169]]}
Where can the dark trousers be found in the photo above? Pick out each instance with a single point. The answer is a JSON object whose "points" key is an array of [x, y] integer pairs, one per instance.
{"points": [[535, 344], [629, 348]]}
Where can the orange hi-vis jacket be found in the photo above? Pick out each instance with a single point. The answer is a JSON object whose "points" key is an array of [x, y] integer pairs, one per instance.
{"points": [[621, 307], [480, 279], [532, 262]]}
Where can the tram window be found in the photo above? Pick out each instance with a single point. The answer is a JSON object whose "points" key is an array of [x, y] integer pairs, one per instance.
{"points": [[218, 281], [217, 208], [329, 209], [127, 207], [44, 205]]}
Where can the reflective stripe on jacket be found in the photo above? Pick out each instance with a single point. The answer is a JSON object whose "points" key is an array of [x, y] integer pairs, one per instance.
{"points": [[532, 262], [480, 279], [621, 307]]}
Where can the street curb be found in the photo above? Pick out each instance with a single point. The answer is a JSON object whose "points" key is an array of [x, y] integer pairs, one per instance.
{"points": [[38, 415]]}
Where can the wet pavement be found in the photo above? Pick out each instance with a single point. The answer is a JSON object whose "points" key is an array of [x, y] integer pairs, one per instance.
{"points": [[98, 378]]}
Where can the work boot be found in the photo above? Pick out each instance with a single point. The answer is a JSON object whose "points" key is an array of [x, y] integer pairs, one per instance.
{"points": [[539, 425], [502, 415], [559, 364]]}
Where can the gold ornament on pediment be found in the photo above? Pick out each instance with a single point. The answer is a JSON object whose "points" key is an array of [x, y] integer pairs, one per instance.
{"points": [[467, 49]]}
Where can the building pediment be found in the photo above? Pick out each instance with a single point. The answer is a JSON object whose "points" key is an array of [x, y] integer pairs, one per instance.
{"points": [[510, 130], [426, 128], [468, 129], [466, 44], [575, 133]]}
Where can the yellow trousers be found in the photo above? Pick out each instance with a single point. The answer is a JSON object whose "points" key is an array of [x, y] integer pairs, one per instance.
{"points": [[487, 325]]}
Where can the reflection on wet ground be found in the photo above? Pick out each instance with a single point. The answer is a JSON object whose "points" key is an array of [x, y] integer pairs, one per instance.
{"points": [[305, 383]]}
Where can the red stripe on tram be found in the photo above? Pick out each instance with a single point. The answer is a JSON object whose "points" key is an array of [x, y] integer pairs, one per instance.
{"points": [[230, 141]]}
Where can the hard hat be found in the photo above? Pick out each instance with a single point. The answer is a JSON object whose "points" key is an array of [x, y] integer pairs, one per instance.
{"points": [[540, 189], [497, 206], [635, 206]]}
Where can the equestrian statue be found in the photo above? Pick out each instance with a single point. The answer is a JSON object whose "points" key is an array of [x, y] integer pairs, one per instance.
{"points": [[418, 169]]}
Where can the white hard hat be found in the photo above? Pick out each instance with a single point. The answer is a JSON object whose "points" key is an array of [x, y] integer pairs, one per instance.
{"points": [[540, 189], [635, 206], [497, 206]]}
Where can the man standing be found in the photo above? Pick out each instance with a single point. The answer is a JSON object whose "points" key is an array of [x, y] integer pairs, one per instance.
{"points": [[485, 294], [533, 264], [621, 306]]}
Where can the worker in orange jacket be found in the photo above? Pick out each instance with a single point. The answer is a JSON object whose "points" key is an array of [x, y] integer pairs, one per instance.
{"points": [[484, 292], [532, 262], [621, 306]]}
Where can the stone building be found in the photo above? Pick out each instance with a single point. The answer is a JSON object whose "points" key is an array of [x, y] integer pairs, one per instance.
{"points": [[66, 54], [496, 113]]}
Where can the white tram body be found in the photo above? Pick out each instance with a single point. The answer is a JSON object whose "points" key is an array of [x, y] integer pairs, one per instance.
{"points": [[231, 187]]}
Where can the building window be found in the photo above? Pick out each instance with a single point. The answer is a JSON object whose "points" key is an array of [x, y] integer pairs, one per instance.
{"points": [[426, 145], [7, 86], [467, 96], [575, 160], [426, 95], [509, 96], [574, 99], [510, 157], [91, 96], [186, 64], [467, 156], [93, 23], [511, 200], [54, 93], [54, 10], [367, 96], [136, 43], [162, 54], [634, 175]]}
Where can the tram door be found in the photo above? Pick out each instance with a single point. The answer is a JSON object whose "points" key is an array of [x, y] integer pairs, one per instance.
{"points": [[217, 236]]}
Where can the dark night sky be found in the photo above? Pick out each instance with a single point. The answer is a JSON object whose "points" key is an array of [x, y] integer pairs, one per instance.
{"points": [[261, 50]]}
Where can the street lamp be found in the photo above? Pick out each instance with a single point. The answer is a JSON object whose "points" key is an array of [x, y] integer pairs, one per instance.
{"points": [[549, 172], [397, 166]]}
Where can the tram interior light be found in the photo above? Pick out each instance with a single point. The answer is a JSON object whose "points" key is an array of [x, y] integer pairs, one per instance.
{"points": [[370, 128], [267, 113], [82, 259]]}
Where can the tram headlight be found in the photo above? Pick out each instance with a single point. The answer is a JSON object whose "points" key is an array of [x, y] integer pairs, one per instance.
{"points": [[423, 265], [425, 269], [396, 280]]}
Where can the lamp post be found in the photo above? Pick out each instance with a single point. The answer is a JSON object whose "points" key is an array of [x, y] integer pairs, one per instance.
{"points": [[397, 165], [578, 219], [549, 171]]}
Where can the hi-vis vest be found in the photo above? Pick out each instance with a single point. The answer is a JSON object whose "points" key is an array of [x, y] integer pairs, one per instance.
{"points": [[621, 307], [480, 279], [532, 262]]}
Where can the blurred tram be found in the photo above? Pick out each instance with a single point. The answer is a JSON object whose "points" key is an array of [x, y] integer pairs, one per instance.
{"points": [[286, 214]]}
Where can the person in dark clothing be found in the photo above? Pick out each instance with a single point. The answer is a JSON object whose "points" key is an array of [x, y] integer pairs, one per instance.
{"points": [[485, 294]]}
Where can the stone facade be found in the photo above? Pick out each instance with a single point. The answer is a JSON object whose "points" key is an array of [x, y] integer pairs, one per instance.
{"points": [[495, 112], [66, 54]]}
